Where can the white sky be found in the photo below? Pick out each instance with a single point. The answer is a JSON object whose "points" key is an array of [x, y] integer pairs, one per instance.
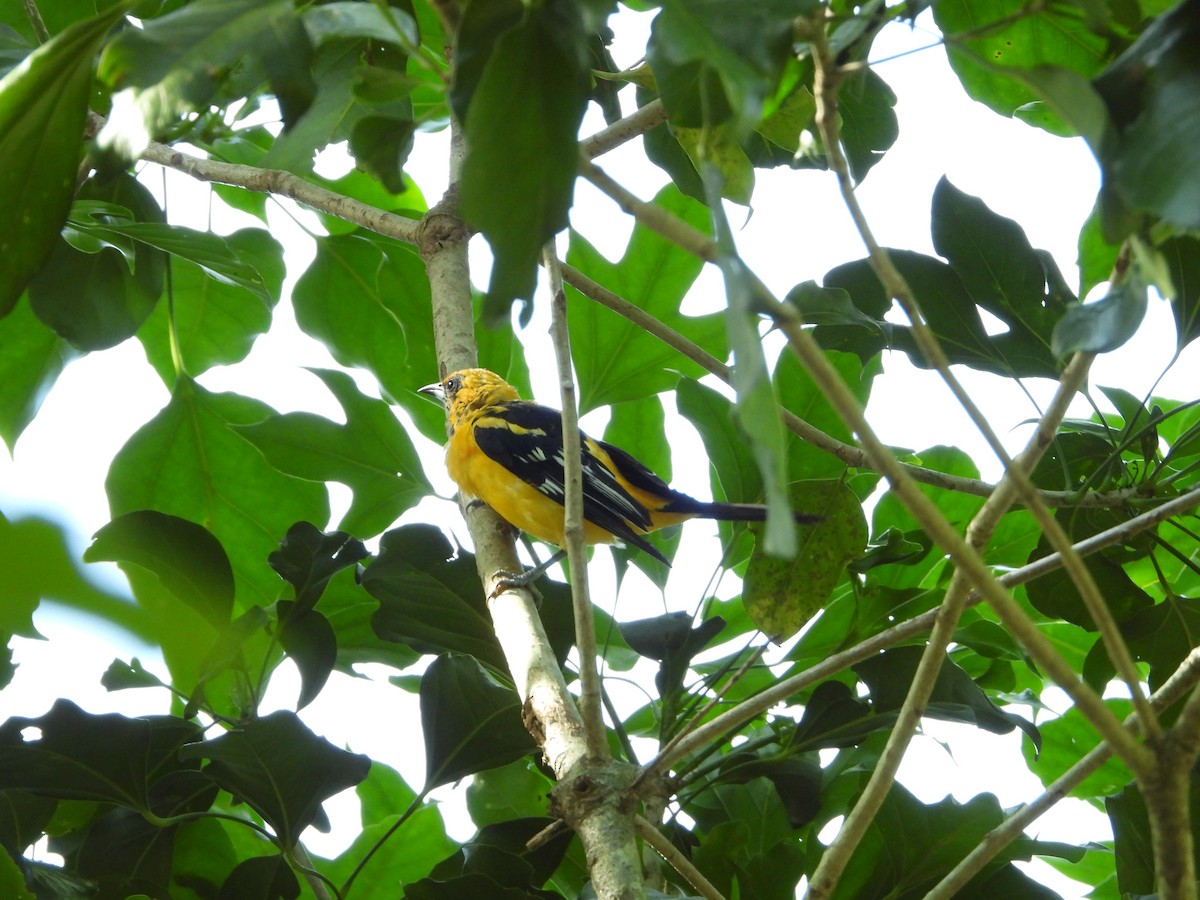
{"points": [[798, 231]]}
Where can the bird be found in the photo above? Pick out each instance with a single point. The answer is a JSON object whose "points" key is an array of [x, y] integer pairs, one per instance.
{"points": [[508, 453]]}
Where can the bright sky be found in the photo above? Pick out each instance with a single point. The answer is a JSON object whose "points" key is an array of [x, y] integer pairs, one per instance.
{"points": [[798, 230]]}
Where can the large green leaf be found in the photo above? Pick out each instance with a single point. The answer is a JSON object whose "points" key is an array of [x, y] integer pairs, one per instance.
{"points": [[370, 453], [781, 595], [427, 600], [189, 461], [215, 322], [1002, 273], [1068, 738], [33, 358], [354, 299], [986, 38], [1151, 156], [135, 763], [177, 63], [716, 61], [39, 564], [470, 722], [281, 769], [615, 359], [521, 127], [910, 846], [97, 299], [43, 106], [189, 561]]}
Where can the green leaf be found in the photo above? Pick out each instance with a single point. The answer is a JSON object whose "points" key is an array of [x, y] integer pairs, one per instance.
{"points": [[1151, 156], [108, 758], [955, 697], [38, 563], [514, 791], [216, 323], [281, 769], [33, 358], [97, 299], [210, 252], [385, 799], [309, 641], [769, 591], [186, 557], [757, 406], [427, 600], [307, 559], [1182, 256], [178, 62], [1131, 842], [343, 19], [991, 42], [470, 722], [869, 125], [716, 61], [1068, 738], [24, 820], [371, 454], [735, 476], [616, 359], [1002, 273], [43, 106], [371, 310], [12, 879], [1103, 325], [189, 461], [521, 130], [262, 876], [121, 676]]}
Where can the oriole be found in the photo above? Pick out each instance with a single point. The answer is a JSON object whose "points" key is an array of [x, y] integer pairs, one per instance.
{"points": [[508, 452]]}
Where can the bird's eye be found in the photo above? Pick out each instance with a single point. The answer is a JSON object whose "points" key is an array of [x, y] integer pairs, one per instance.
{"points": [[452, 385]]}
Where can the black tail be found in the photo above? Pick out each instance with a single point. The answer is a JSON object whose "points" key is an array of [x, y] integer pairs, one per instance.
{"points": [[734, 512]]}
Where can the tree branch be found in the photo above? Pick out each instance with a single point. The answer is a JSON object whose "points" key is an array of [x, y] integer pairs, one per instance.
{"points": [[631, 126], [678, 861], [585, 628]]}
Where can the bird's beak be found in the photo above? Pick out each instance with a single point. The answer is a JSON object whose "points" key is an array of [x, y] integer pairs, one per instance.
{"points": [[435, 390]]}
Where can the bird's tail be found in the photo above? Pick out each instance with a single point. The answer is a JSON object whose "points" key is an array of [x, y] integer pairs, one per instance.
{"points": [[740, 512]]}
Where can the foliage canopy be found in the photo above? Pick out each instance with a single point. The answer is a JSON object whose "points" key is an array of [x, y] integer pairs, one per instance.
{"points": [[221, 515]]}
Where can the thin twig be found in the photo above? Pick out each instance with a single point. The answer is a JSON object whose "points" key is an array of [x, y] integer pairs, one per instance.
{"points": [[653, 217], [36, 21], [590, 706], [678, 861]]}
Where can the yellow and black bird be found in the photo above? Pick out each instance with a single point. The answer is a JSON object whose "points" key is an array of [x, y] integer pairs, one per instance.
{"points": [[508, 452]]}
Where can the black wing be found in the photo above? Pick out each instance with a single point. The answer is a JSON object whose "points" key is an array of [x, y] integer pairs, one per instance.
{"points": [[526, 438]]}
